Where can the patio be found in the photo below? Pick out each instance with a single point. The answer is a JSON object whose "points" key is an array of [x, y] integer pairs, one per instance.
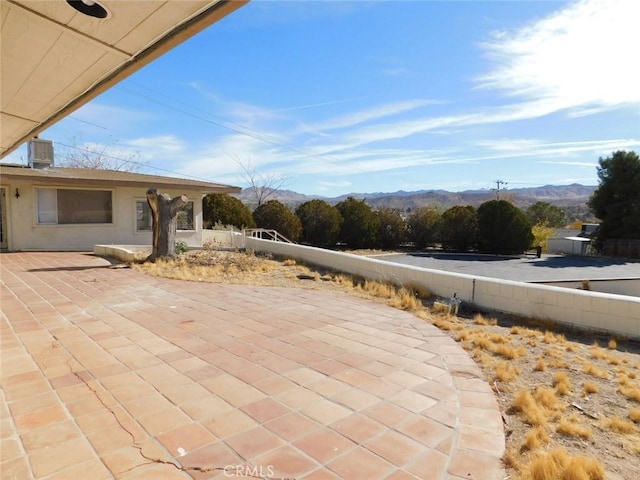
{"points": [[107, 373]]}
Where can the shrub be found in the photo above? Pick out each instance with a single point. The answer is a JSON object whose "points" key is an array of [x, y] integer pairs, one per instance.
{"points": [[503, 228], [320, 222], [423, 227], [181, 247], [277, 216], [459, 228], [392, 230], [226, 210], [360, 225]]}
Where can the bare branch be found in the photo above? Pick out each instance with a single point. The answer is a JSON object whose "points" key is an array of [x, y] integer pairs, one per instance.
{"points": [[261, 185], [99, 157]]}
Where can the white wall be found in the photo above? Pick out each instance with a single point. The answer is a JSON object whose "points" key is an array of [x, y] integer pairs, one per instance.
{"points": [[564, 245], [24, 233], [222, 238], [619, 286], [591, 310]]}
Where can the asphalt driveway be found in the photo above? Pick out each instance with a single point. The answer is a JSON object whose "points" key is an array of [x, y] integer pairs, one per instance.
{"points": [[526, 268]]}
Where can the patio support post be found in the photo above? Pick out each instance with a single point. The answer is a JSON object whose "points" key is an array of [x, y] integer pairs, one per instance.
{"points": [[164, 211]]}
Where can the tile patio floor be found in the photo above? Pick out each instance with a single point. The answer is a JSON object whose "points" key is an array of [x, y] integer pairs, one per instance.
{"points": [[107, 373]]}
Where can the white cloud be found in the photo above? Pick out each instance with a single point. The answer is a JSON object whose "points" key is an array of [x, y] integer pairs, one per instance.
{"points": [[583, 55], [158, 145], [540, 147], [327, 185], [373, 113]]}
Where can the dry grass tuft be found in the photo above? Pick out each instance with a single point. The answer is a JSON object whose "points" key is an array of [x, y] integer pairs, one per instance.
{"points": [[497, 338], [632, 393], [597, 352], [613, 344], [405, 299], [617, 424], [634, 415], [589, 387], [540, 366], [463, 336], [482, 342], [289, 262], [612, 359], [546, 397], [524, 403], [591, 369], [559, 465], [479, 319], [509, 352], [419, 291], [571, 428], [506, 372], [378, 289], [536, 437], [443, 323], [562, 383]]}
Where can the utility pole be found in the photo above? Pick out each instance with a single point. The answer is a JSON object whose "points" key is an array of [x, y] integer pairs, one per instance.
{"points": [[497, 189]]}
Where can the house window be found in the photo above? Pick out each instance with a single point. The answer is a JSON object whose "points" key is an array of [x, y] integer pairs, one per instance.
{"points": [[185, 217], [57, 206], [144, 220], [143, 216]]}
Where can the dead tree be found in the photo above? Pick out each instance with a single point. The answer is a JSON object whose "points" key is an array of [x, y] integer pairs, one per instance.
{"points": [[164, 215]]}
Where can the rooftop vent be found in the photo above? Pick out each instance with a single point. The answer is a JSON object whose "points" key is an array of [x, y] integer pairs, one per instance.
{"points": [[40, 153]]}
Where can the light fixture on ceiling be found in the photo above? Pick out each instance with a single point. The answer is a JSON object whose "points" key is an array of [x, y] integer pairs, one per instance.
{"points": [[89, 7]]}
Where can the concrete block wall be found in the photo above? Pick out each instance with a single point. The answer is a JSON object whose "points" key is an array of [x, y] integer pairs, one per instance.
{"points": [[620, 286], [616, 314]]}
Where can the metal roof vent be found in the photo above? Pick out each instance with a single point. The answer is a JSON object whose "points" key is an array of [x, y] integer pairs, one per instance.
{"points": [[40, 153]]}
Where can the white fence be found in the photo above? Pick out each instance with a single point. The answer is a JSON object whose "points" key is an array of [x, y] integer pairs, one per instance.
{"points": [[616, 314]]}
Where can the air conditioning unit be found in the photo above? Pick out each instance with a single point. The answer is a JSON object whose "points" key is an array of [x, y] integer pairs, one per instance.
{"points": [[40, 153]]}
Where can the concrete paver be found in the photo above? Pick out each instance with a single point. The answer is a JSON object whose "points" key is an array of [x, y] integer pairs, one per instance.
{"points": [[108, 373]]}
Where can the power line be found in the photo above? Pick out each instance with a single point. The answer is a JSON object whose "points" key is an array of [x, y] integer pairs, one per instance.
{"points": [[235, 127], [140, 164], [497, 189]]}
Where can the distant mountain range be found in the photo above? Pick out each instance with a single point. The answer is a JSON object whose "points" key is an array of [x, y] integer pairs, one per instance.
{"points": [[572, 198]]}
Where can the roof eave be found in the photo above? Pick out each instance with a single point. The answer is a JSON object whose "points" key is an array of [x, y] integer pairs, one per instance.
{"points": [[144, 184], [173, 38]]}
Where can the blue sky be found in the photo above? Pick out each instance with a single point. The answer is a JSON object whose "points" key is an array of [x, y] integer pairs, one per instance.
{"points": [[359, 96]]}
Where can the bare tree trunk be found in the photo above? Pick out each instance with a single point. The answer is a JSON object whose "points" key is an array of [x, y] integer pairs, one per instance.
{"points": [[164, 211]]}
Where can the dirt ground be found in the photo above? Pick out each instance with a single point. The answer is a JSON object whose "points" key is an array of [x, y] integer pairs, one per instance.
{"points": [[570, 400]]}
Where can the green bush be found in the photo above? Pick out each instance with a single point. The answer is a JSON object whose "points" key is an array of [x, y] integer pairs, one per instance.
{"points": [[423, 227], [320, 223], [181, 247], [275, 215], [392, 231], [225, 210], [360, 226], [503, 228], [459, 228]]}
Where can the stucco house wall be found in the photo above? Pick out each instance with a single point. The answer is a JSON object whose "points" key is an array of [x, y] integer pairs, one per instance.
{"points": [[22, 231]]}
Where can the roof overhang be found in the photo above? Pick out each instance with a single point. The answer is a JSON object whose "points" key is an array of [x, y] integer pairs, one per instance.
{"points": [[87, 177], [54, 59]]}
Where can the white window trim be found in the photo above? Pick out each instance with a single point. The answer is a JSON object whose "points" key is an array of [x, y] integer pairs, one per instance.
{"points": [[142, 232], [73, 225]]}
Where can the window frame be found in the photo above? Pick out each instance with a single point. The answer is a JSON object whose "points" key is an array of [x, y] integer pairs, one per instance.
{"points": [[146, 206], [54, 209]]}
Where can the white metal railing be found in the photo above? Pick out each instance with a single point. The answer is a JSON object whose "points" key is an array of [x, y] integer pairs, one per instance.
{"points": [[266, 234]]}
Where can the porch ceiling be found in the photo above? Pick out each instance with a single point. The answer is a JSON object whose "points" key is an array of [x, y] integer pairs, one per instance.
{"points": [[54, 59]]}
